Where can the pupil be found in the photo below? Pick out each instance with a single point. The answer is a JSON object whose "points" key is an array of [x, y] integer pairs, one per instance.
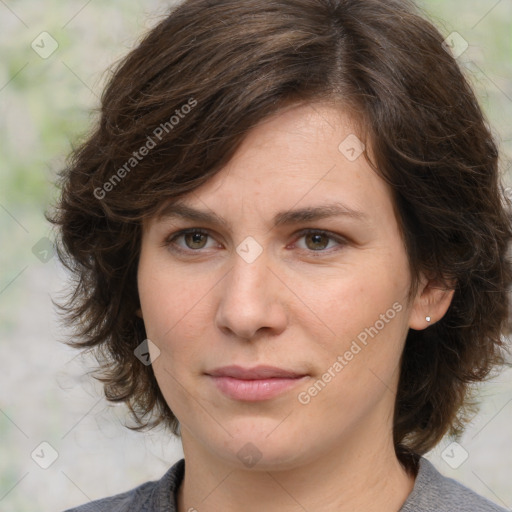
{"points": [[317, 239], [196, 238]]}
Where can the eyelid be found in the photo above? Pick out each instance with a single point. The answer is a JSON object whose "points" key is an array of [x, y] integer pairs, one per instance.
{"points": [[340, 240], [168, 240]]}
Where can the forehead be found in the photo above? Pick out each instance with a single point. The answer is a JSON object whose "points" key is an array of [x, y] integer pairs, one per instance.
{"points": [[289, 167]]}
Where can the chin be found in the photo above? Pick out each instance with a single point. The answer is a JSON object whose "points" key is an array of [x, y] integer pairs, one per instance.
{"points": [[263, 447]]}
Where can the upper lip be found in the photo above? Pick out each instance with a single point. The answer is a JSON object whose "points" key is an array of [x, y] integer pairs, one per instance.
{"points": [[258, 372]]}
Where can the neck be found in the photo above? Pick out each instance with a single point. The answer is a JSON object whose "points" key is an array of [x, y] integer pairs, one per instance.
{"points": [[368, 478]]}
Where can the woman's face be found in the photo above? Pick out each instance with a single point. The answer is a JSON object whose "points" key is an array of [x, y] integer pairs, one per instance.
{"points": [[276, 272]]}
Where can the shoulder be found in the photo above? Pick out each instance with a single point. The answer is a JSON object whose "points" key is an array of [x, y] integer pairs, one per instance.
{"points": [[127, 501], [154, 496], [433, 492]]}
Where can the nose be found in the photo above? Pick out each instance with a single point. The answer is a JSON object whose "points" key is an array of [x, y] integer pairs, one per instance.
{"points": [[251, 300]]}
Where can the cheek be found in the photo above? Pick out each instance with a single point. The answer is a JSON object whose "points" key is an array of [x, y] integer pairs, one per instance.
{"points": [[346, 303], [170, 304], [359, 363], [174, 306], [169, 297]]}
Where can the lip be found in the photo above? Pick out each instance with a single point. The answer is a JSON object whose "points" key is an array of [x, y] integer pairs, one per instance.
{"points": [[258, 372], [254, 384]]}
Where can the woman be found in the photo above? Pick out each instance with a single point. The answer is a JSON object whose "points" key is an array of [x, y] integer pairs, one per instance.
{"points": [[290, 244]]}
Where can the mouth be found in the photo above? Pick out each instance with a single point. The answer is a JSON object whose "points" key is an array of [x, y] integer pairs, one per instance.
{"points": [[255, 384]]}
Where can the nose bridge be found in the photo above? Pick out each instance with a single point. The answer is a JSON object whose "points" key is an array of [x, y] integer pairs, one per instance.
{"points": [[249, 299], [249, 274]]}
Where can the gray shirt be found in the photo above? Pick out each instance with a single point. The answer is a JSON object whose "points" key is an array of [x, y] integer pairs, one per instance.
{"points": [[432, 492]]}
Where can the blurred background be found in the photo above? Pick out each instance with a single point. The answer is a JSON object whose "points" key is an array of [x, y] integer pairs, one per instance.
{"points": [[61, 444]]}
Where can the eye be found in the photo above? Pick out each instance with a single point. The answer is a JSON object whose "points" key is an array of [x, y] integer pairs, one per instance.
{"points": [[318, 240], [194, 240]]}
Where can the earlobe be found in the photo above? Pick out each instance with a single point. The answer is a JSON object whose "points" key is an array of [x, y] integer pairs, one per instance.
{"points": [[431, 304], [138, 312]]}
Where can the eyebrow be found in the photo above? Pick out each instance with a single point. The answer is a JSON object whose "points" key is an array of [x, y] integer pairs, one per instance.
{"points": [[287, 217]]}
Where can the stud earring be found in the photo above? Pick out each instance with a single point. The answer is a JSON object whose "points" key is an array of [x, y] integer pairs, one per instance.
{"points": [[427, 318]]}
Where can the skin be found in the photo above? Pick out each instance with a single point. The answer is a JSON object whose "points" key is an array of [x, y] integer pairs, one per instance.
{"points": [[298, 305]]}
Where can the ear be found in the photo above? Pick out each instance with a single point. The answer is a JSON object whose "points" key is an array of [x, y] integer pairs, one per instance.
{"points": [[138, 312], [432, 299]]}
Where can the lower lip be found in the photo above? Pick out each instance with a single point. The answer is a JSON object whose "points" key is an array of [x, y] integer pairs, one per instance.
{"points": [[255, 390]]}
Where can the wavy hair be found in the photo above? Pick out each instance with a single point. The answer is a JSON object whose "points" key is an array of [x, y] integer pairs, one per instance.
{"points": [[190, 92]]}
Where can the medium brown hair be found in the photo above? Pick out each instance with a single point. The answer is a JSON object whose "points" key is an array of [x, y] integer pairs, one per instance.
{"points": [[190, 92]]}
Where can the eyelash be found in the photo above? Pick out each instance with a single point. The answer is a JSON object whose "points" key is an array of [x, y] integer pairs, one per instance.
{"points": [[169, 242]]}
